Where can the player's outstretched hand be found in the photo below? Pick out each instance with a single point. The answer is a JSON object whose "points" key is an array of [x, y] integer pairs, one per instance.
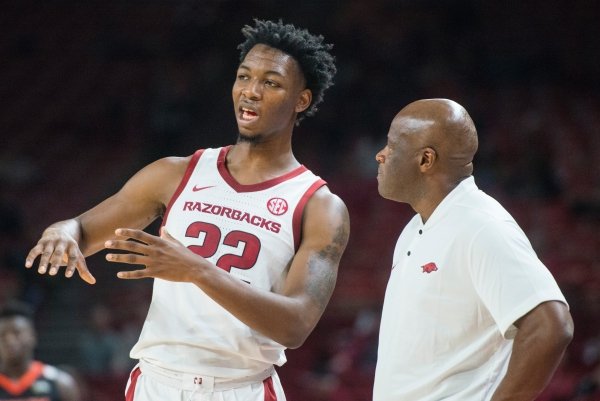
{"points": [[163, 257], [57, 248]]}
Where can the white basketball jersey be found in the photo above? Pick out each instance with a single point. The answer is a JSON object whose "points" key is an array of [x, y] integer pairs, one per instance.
{"points": [[251, 231]]}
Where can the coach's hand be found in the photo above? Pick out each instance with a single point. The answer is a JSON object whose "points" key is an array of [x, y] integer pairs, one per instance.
{"points": [[163, 257], [57, 248]]}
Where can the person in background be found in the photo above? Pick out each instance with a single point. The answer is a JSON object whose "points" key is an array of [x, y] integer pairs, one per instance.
{"points": [[99, 343], [250, 242], [21, 376], [470, 312]]}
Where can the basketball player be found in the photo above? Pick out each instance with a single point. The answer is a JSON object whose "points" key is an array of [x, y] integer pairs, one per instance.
{"points": [[21, 377], [470, 312], [250, 242]]}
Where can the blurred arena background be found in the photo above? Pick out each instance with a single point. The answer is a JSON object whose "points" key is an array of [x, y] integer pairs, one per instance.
{"points": [[93, 90]]}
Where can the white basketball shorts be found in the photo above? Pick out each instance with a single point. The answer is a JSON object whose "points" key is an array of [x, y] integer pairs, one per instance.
{"points": [[149, 383]]}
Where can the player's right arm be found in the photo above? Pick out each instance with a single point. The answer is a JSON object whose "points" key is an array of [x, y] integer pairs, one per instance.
{"points": [[141, 200]]}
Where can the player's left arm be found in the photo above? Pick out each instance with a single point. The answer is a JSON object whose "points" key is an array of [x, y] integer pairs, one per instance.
{"points": [[542, 337], [67, 387], [313, 273]]}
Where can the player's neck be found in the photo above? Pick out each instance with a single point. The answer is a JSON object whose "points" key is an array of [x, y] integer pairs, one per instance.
{"points": [[15, 370], [250, 164]]}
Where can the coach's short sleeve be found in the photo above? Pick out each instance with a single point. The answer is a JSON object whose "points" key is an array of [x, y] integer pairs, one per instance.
{"points": [[508, 275]]}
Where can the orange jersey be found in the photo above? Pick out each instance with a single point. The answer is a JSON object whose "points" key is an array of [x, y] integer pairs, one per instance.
{"points": [[37, 384]]}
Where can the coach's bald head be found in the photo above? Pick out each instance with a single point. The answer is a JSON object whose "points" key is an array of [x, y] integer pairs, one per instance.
{"points": [[450, 132], [430, 150]]}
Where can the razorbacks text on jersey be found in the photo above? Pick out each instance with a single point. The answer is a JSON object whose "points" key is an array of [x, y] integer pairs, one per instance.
{"points": [[37, 384], [250, 231]]}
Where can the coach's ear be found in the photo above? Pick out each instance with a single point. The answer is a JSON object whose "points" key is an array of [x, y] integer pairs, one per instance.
{"points": [[164, 234], [427, 160]]}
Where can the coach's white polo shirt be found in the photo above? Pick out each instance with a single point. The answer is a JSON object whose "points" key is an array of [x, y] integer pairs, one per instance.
{"points": [[458, 282]]}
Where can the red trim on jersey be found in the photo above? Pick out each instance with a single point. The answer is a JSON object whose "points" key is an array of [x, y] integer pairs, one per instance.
{"points": [[222, 167], [132, 383], [269, 389], [299, 211], [17, 387], [184, 181]]}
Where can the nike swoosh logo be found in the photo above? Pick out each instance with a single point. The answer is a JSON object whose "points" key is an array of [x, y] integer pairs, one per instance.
{"points": [[197, 188]]}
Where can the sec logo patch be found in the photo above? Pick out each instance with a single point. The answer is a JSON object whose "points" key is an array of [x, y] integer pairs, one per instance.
{"points": [[277, 206]]}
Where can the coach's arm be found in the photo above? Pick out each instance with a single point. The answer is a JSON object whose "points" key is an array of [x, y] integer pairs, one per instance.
{"points": [[543, 335]]}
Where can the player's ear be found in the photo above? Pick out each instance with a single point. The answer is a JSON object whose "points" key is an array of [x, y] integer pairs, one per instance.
{"points": [[33, 335], [304, 100]]}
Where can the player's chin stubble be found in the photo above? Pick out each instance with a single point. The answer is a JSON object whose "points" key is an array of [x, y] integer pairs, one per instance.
{"points": [[252, 140]]}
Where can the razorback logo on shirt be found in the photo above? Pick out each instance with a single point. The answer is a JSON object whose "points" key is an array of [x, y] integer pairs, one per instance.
{"points": [[429, 267]]}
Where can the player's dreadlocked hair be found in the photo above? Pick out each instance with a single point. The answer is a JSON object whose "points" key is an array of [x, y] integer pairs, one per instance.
{"points": [[316, 63]]}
